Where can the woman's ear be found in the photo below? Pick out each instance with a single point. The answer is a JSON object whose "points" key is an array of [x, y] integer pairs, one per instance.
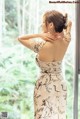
{"points": [[51, 25]]}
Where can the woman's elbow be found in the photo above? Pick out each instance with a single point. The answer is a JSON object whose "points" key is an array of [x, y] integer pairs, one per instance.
{"points": [[19, 38]]}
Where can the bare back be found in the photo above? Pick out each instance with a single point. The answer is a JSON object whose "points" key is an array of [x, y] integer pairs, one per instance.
{"points": [[53, 51]]}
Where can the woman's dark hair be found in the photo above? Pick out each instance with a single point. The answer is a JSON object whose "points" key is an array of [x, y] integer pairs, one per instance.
{"points": [[59, 20]]}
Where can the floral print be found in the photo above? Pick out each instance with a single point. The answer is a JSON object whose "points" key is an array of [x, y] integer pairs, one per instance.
{"points": [[50, 92]]}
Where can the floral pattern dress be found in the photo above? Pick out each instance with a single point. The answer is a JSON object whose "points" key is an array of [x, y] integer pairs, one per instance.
{"points": [[50, 92]]}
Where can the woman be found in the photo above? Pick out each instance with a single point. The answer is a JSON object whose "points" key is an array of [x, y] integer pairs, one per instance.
{"points": [[50, 92]]}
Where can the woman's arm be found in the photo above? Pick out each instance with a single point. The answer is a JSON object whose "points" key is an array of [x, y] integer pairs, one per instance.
{"points": [[44, 36], [27, 37], [67, 35]]}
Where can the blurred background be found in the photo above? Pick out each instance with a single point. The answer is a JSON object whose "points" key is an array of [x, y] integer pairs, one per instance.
{"points": [[18, 69]]}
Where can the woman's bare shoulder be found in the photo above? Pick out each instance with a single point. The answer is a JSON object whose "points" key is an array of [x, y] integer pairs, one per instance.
{"points": [[46, 49], [48, 44]]}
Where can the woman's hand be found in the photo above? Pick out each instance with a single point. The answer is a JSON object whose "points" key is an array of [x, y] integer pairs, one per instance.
{"points": [[47, 37], [69, 26], [52, 37]]}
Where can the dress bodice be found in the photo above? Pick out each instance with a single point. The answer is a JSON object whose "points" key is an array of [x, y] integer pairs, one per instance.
{"points": [[49, 67]]}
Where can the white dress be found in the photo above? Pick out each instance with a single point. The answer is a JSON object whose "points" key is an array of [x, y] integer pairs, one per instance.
{"points": [[50, 92]]}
